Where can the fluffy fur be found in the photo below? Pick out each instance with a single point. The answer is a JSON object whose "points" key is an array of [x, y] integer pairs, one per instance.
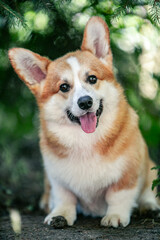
{"points": [[104, 173]]}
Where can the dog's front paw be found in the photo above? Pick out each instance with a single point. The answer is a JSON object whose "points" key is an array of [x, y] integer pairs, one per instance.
{"points": [[115, 221], [58, 222], [67, 215]]}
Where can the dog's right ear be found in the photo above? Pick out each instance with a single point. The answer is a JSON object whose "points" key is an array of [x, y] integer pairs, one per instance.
{"points": [[30, 67]]}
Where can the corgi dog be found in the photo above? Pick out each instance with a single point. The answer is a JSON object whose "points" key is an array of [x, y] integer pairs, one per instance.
{"points": [[95, 158]]}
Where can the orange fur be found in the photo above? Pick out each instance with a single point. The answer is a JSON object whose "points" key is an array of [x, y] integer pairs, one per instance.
{"points": [[46, 195], [51, 142]]}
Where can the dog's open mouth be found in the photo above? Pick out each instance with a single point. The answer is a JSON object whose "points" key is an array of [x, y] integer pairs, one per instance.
{"points": [[88, 121]]}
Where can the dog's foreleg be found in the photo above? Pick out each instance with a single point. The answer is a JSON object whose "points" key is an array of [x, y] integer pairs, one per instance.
{"points": [[120, 205], [64, 203]]}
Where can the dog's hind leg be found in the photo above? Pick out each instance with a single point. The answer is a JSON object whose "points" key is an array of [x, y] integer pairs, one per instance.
{"points": [[44, 201], [148, 199]]}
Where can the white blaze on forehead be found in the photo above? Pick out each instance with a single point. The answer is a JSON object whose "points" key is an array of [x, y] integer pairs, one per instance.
{"points": [[80, 91], [75, 66]]}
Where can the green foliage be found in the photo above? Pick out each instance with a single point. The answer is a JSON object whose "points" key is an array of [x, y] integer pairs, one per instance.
{"points": [[53, 28], [10, 14], [156, 182], [11, 10], [154, 11]]}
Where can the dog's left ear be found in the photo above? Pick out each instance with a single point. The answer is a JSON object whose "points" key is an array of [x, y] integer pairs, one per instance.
{"points": [[96, 39]]}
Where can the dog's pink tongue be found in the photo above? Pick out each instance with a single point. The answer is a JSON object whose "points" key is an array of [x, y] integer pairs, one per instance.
{"points": [[88, 122]]}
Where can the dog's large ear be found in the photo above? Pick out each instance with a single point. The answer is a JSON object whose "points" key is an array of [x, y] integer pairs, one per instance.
{"points": [[96, 39], [30, 67]]}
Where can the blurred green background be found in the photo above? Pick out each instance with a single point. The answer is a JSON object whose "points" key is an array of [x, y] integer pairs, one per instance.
{"points": [[53, 28]]}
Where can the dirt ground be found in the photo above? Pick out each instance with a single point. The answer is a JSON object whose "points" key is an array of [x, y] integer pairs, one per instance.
{"points": [[30, 187], [85, 228]]}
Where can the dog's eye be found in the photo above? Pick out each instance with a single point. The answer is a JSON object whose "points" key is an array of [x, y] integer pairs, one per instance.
{"points": [[65, 87], [92, 79]]}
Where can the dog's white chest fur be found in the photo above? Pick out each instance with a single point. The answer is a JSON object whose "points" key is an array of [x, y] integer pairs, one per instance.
{"points": [[87, 175]]}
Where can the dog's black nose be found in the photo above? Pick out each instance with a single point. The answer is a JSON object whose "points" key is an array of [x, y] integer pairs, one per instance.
{"points": [[85, 102]]}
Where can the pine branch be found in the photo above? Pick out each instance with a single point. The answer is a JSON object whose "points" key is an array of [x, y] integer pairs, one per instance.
{"points": [[11, 14], [45, 5], [125, 7], [154, 11]]}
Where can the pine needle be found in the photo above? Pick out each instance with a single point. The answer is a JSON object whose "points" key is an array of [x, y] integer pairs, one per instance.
{"points": [[11, 14], [154, 12]]}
